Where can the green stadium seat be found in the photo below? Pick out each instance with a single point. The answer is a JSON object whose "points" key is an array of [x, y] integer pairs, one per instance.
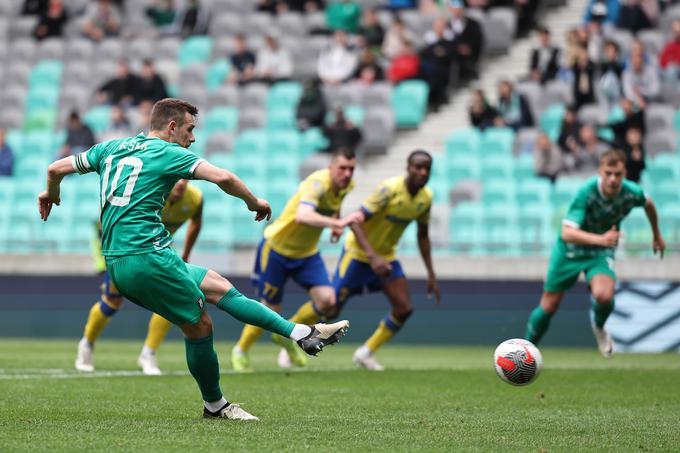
{"points": [[535, 222], [284, 94], [6, 191], [463, 141], [42, 97], [251, 142], [441, 188], [565, 189], [637, 233], [247, 232], [463, 167], [497, 141], [497, 167], [284, 142], [313, 140], [551, 119], [524, 167], [409, 103], [40, 120], [216, 237], [200, 140], [676, 121], [221, 119], [251, 169], [98, 118], [281, 167], [46, 73], [195, 49], [40, 143], [15, 139], [355, 113], [534, 190], [30, 167], [465, 227], [499, 192], [222, 160], [217, 73], [279, 118]]}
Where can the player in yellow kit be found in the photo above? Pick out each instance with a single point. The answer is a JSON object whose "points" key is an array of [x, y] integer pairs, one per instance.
{"points": [[289, 249], [184, 203], [368, 261]]}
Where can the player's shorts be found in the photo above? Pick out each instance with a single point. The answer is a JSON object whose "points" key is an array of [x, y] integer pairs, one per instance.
{"points": [[563, 272], [355, 277], [272, 270], [108, 287], [161, 282]]}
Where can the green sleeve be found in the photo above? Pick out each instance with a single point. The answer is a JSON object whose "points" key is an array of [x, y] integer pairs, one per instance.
{"points": [[576, 214], [181, 162], [90, 160], [638, 192]]}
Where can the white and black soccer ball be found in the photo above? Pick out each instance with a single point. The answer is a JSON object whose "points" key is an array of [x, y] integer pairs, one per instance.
{"points": [[517, 361]]}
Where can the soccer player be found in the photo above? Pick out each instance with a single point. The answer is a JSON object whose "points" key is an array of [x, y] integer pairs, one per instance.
{"points": [[136, 174], [587, 242], [289, 249], [368, 260], [185, 202]]}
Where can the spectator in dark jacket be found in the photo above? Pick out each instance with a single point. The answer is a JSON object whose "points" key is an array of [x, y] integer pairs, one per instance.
{"points": [[368, 71], [79, 136], [341, 133], [569, 130], [634, 117], [635, 154], [149, 86], [120, 89], [242, 60], [194, 19], [512, 108], [51, 22], [6, 156], [468, 39], [482, 115], [311, 109], [435, 63], [371, 30], [544, 59]]}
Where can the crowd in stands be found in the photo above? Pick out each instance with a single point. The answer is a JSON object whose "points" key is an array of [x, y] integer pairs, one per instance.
{"points": [[608, 76]]}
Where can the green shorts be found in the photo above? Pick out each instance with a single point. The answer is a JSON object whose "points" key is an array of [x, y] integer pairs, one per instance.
{"points": [[161, 282], [563, 272]]}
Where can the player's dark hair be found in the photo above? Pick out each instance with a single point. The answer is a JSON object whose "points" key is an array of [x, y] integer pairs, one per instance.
{"points": [[613, 157], [170, 109], [416, 153], [347, 153]]}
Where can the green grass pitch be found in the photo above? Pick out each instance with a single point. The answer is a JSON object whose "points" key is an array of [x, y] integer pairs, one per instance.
{"points": [[431, 398]]}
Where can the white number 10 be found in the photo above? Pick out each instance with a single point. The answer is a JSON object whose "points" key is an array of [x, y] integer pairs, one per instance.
{"points": [[136, 164]]}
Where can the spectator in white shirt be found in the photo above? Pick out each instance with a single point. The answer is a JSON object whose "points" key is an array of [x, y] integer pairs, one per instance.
{"points": [[337, 63], [640, 80], [273, 63]]}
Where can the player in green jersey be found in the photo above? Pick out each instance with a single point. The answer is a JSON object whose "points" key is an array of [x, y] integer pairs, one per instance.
{"points": [[136, 174], [590, 233]]}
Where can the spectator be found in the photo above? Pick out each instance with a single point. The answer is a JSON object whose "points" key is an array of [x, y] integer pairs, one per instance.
{"points": [[34, 7], [193, 19], [636, 15], [267, 6], [585, 158], [603, 11], [79, 137], [242, 61], [121, 88], [338, 62], [368, 71], [544, 58], [669, 59], [311, 109], [435, 63], [149, 86], [343, 15], [341, 133], [163, 14], [371, 30], [51, 22], [640, 80], [101, 20], [396, 34], [119, 127], [468, 39], [6, 156], [404, 66], [273, 63], [301, 6], [548, 161], [633, 118], [482, 115], [609, 85], [512, 109], [635, 154], [583, 80], [569, 130]]}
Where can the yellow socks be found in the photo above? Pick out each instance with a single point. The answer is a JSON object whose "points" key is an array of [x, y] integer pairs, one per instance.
{"points": [[249, 336], [385, 331], [158, 329], [306, 314], [99, 317]]}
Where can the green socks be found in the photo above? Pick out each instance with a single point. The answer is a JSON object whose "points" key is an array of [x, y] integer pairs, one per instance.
{"points": [[538, 323], [600, 312], [204, 367], [254, 313]]}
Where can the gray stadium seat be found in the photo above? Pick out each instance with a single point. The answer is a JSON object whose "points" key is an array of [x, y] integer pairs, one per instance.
{"points": [[499, 30], [415, 21], [196, 94], [235, 6], [193, 75], [253, 95], [219, 142], [653, 40], [139, 49], [169, 70], [78, 73], [166, 48], [223, 47], [22, 27], [252, 117], [4, 28], [10, 8], [659, 117], [22, 50], [556, 91], [291, 24], [315, 20], [226, 24], [525, 139], [51, 49], [592, 114], [623, 38], [660, 142], [260, 24], [11, 119], [378, 130], [532, 91], [74, 97], [79, 49], [379, 93], [224, 95], [670, 93], [109, 49], [17, 73]]}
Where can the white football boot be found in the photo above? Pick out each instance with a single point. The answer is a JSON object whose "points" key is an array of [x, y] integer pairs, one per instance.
{"points": [[364, 358], [231, 411], [84, 360], [604, 341], [147, 362]]}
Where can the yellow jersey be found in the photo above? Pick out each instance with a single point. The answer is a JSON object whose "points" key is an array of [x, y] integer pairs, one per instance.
{"points": [[294, 240], [390, 208], [175, 214]]}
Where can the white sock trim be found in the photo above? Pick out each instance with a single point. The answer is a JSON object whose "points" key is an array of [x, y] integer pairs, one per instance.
{"points": [[147, 350], [300, 331], [215, 405]]}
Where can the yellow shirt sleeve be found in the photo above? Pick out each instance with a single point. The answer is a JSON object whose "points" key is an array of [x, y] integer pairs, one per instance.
{"points": [[311, 192], [377, 200]]}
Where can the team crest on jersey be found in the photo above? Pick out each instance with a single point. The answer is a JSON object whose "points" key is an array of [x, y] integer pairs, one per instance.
{"points": [[200, 303]]}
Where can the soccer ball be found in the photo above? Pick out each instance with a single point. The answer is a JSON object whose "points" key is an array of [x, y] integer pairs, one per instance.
{"points": [[517, 361]]}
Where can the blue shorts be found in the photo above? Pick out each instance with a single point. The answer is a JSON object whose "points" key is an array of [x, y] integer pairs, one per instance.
{"points": [[355, 277], [272, 270]]}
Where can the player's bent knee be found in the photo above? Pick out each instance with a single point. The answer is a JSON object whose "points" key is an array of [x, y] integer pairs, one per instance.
{"points": [[603, 296], [214, 286], [403, 313], [114, 302], [201, 329]]}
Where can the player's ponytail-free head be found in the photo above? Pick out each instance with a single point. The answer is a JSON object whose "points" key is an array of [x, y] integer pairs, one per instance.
{"points": [[418, 153], [170, 109]]}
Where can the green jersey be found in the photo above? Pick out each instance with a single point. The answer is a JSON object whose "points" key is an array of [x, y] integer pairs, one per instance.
{"points": [[136, 174], [590, 211]]}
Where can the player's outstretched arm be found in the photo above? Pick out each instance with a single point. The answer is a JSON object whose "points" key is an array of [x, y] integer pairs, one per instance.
{"points": [[55, 173], [574, 235], [658, 244], [426, 253], [193, 229], [306, 214], [232, 185]]}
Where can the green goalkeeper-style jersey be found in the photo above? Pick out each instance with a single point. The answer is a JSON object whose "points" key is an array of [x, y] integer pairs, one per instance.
{"points": [[136, 174], [590, 211]]}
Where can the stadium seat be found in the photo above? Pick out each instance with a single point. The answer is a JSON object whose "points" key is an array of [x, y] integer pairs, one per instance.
{"points": [[409, 102], [524, 167], [42, 97], [253, 95], [284, 94], [221, 119], [533, 191], [195, 49], [218, 73], [463, 167], [40, 144], [219, 142], [224, 95], [551, 120], [252, 142], [313, 140], [40, 120], [98, 118], [378, 130], [497, 141], [565, 189], [465, 228], [280, 118], [284, 143], [497, 167], [659, 117], [462, 142]]}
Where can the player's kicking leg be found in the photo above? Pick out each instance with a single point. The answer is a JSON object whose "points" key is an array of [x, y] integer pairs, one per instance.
{"points": [[602, 304], [101, 312], [397, 293], [158, 329], [539, 319]]}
